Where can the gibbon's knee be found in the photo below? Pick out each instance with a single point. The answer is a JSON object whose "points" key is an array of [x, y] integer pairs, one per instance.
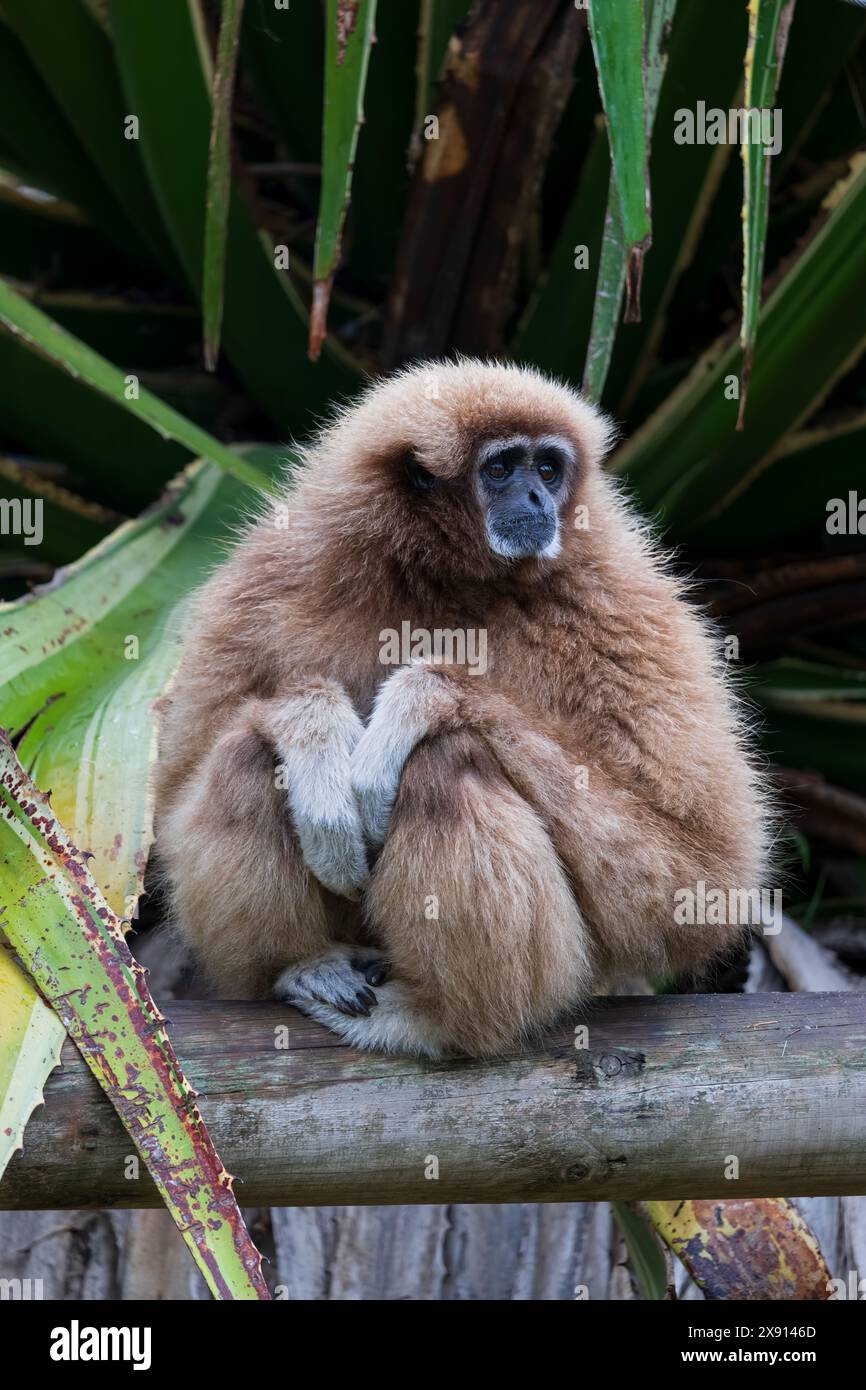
{"points": [[241, 892], [471, 904]]}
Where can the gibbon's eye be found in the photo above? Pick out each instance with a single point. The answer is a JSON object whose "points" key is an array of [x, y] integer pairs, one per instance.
{"points": [[497, 469], [420, 477], [551, 458]]}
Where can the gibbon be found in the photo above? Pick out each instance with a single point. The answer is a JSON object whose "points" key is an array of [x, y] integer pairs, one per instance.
{"points": [[437, 856]]}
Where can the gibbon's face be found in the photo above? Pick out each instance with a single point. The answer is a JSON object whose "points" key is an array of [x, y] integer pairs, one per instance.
{"points": [[520, 483]]}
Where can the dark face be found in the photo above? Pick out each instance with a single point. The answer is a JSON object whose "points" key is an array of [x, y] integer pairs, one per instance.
{"points": [[522, 484]]}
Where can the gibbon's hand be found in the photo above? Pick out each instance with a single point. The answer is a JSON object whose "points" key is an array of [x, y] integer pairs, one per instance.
{"points": [[315, 759], [410, 704]]}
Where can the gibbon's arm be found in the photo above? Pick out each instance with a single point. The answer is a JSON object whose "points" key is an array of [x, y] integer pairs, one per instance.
{"points": [[625, 855], [425, 699], [313, 731]]}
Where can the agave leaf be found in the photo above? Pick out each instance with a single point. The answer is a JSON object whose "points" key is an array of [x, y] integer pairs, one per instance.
{"points": [[769, 22], [815, 718], [284, 51], [380, 180], [37, 143], [219, 179], [31, 1036], [140, 334], [73, 946], [51, 341], [90, 99], [687, 454], [617, 33], [44, 238], [166, 71], [790, 682], [615, 249], [348, 39], [759, 1248], [705, 64], [83, 430], [565, 294], [70, 525], [790, 491], [85, 657], [645, 1256]]}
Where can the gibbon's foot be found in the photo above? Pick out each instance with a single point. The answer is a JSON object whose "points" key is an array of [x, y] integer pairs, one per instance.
{"points": [[397, 1025], [338, 979], [374, 967]]}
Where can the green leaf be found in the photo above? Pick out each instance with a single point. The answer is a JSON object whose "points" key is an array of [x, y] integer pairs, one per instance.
{"points": [[89, 96], [558, 319], [615, 247], [219, 179], [70, 525], [825, 736], [791, 681], [37, 143], [73, 946], [140, 334], [31, 1037], [617, 33], [284, 51], [645, 1256], [687, 455], [348, 39], [54, 343], [82, 429], [165, 67], [791, 491], [47, 239], [380, 180], [769, 21], [85, 657], [705, 63]]}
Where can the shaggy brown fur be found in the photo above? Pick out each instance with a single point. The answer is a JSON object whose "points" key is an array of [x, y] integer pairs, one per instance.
{"points": [[547, 811]]}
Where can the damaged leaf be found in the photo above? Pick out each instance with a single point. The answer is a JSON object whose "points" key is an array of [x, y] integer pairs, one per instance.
{"points": [[73, 945], [742, 1249], [350, 35], [769, 22], [31, 1036], [617, 33]]}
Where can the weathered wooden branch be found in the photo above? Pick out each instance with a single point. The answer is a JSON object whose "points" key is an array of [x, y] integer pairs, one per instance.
{"points": [[661, 1098]]}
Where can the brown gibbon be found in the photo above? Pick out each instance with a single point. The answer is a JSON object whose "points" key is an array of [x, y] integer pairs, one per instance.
{"points": [[446, 739]]}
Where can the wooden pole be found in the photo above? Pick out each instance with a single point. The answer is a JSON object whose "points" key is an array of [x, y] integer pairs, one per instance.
{"points": [[692, 1096]]}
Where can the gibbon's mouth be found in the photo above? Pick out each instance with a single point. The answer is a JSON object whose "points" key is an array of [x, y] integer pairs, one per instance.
{"points": [[522, 536]]}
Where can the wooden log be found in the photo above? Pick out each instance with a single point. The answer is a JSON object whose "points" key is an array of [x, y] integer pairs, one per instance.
{"points": [[655, 1098]]}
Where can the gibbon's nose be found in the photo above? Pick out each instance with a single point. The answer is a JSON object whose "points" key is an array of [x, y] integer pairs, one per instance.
{"points": [[534, 498]]}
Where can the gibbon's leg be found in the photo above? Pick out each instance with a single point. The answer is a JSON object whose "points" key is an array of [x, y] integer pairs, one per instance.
{"points": [[625, 852], [468, 899], [268, 818]]}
